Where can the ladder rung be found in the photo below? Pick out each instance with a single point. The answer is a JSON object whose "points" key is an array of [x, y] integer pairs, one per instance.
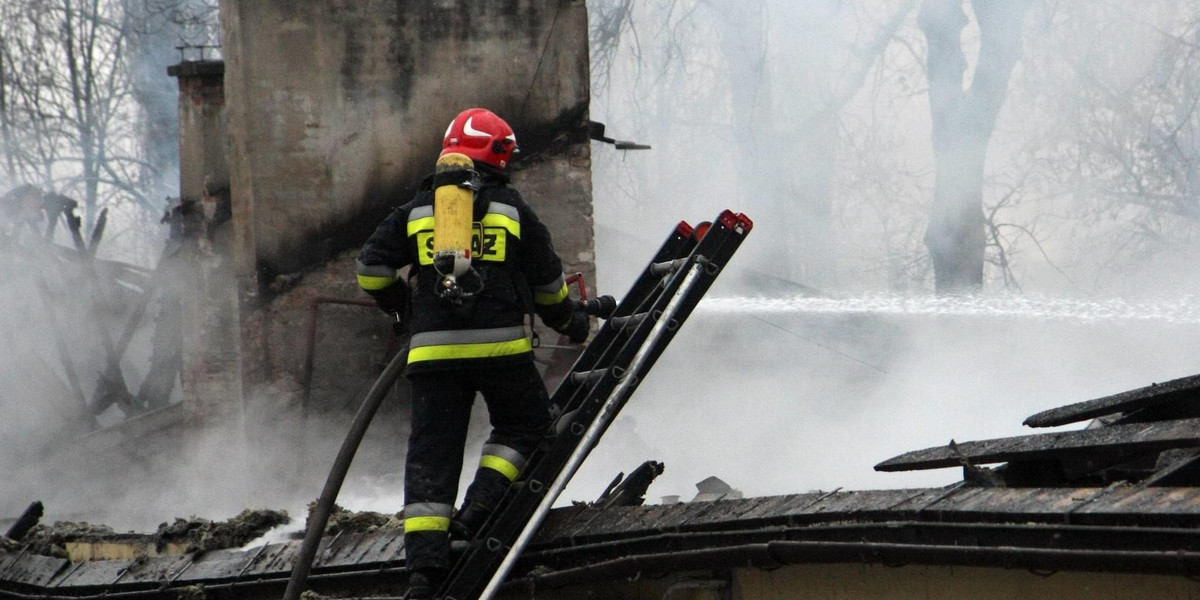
{"points": [[587, 376], [662, 268], [628, 322]]}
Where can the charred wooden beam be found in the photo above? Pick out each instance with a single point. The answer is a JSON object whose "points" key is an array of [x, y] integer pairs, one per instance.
{"points": [[27, 521], [1120, 442], [1185, 389], [61, 345]]}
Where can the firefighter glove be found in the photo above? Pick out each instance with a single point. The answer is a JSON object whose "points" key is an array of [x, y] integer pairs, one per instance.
{"points": [[392, 300], [577, 328]]}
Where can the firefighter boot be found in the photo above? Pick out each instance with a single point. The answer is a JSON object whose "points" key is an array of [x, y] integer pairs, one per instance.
{"points": [[423, 584], [469, 520]]}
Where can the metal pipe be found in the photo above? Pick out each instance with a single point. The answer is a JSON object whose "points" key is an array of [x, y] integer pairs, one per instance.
{"points": [[310, 345], [590, 437], [310, 351]]}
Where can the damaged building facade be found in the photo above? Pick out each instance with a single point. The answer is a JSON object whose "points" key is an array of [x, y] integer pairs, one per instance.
{"points": [[321, 118], [309, 126]]}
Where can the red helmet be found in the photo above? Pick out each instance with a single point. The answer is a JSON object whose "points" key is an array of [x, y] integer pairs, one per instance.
{"points": [[481, 135]]}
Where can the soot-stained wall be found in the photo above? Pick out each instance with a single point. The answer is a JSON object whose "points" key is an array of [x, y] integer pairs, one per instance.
{"points": [[336, 112], [337, 108]]}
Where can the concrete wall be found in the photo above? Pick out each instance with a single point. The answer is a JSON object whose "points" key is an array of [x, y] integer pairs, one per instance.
{"points": [[211, 327], [338, 107], [336, 112], [203, 128]]}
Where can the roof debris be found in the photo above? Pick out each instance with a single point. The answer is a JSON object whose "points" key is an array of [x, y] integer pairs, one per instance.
{"points": [[342, 520], [202, 535], [1147, 436]]}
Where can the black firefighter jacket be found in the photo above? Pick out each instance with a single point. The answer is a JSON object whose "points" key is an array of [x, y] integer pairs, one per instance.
{"points": [[511, 252]]}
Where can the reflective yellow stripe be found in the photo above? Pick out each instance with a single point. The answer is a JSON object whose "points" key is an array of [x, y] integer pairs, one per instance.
{"points": [[412, 524], [422, 224], [503, 221], [482, 350], [372, 283], [550, 298], [496, 463]]}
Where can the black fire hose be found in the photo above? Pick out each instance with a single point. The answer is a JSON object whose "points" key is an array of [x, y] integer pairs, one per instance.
{"points": [[341, 465]]}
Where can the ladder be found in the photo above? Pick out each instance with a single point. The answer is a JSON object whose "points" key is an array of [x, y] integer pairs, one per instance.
{"points": [[588, 399]]}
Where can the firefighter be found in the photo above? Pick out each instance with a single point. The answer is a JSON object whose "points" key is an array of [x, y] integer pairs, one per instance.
{"points": [[467, 336]]}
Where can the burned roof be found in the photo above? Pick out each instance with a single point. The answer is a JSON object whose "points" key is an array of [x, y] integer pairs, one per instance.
{"points": [[1119, 496], [1148, 437]]}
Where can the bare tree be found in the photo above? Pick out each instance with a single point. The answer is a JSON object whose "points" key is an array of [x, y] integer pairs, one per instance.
{"points": [[963, 120], [749, 89], [86, 109], [1136, 136]]}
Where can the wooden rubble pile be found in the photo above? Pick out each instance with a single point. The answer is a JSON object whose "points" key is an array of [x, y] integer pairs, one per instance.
{"points": [[69, 294]]}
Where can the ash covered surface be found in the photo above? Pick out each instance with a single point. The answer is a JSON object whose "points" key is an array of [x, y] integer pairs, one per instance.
{"points": [[342, 520], [51, 540], [204, 535], [197, 535]]}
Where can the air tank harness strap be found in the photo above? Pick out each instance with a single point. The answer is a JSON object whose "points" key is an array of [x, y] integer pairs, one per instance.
{"points": [[464, 178]]}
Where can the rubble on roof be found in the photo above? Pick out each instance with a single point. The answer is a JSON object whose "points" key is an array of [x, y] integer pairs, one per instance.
{"points": [[1053, 502], [202, 535], [342, 520], [81, 541]]}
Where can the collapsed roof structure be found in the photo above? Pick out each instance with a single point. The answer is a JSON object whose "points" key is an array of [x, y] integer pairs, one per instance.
{"points": [[1115, 505]]}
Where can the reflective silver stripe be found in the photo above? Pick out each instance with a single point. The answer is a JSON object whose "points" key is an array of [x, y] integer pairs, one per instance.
{"points": [[512, 456], [428, 509], [374, 270], [551, 288], [420, 212], [467, 336], [507, 210]]}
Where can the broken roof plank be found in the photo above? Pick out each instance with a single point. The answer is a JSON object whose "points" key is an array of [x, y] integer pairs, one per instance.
{"points": [[1120, 440], [1155, 394]]}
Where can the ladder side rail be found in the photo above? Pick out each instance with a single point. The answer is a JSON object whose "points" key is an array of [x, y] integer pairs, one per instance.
{"points": [[646, 287], [729, 231], [522, 499], [639, 365], [590, 405], [609, 344], [723, 239], [610, 341], [678, 242], [588, 397]]}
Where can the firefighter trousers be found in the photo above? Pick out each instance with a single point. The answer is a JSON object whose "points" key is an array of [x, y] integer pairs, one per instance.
{"points": [[519, 412]]}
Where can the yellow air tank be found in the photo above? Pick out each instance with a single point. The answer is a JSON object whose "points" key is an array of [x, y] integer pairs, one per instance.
{"points": [[453, 217]]}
